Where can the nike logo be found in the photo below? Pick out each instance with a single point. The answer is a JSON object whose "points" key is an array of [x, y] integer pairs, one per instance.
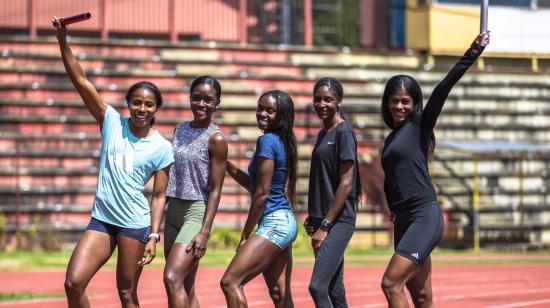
{"points": [[331, 142]]}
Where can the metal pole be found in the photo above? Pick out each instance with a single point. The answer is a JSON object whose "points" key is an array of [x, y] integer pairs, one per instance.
{"points": [[484, 16], [476, 206], [172, 21], [31, 15], [243, 26], [308, 24], [340, 23], [521, 193], [17, 193], [103, 20], [285, 22]]}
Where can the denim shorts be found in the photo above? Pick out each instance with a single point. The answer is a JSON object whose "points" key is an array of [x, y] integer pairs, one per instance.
{"points": [[279, 227], [141, 234]]}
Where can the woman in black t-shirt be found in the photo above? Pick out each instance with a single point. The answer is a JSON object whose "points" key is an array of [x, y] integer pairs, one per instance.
{"points": [[334, 191], [418, 220]]}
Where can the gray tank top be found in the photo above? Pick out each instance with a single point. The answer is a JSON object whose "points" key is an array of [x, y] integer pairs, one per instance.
{"points": [[188, 179]]}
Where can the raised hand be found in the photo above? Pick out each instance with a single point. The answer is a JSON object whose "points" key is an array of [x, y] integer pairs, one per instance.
{"points": [[483, 38], [61, 30]]}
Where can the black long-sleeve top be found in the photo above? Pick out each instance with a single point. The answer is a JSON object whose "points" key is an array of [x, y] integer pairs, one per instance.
{"points": [[407, 182]]}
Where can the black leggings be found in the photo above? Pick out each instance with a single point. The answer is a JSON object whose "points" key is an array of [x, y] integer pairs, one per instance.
{"points": [[327, 281]]}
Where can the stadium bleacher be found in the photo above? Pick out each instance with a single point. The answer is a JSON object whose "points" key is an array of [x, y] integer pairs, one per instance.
{"points": [[50, 144]]}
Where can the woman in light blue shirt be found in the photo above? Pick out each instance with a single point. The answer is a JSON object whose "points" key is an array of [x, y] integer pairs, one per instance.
{"points": [[132, 152]]}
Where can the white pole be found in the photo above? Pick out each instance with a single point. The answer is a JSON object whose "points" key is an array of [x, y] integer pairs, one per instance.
{"points": [[483, 15]]}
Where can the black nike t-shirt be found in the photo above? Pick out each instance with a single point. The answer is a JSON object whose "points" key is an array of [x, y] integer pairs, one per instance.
{"points": [[331, 148]]}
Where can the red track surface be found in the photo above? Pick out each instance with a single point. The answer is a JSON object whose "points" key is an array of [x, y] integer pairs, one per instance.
{"points": [[493, 286]]}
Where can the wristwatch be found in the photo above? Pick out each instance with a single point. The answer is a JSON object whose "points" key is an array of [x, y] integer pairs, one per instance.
{"points": [[156, 236], [326, 224]]}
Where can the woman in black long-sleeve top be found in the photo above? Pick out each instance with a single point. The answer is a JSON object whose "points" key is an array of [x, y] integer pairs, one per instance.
{"points": [[417, 217]]}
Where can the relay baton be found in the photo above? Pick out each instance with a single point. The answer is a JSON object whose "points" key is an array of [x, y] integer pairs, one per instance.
{"points": [[483, 16], [76, 18]]}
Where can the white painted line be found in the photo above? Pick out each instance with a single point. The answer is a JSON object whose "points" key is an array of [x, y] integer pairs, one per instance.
{"points": [[494, 293], [384, 304], [523, 304]]}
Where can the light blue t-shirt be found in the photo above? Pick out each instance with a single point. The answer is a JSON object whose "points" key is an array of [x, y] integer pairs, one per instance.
{"points": [[270, 146], [126, 165]]}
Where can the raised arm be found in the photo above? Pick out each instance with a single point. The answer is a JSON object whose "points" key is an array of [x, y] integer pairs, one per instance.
{"points": [[85, 88], [217, 147], [238, 175], [439, 95]]}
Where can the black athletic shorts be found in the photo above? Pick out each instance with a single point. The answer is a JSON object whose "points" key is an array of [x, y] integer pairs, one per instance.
{"points": [[417, 231]]}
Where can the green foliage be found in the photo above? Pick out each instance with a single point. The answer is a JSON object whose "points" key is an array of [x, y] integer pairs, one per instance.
{"points": [[228, 238], [336, 23], [2, 231], [2, 222], [39, 235], [303, 241], [224, 238], [49, 240]]}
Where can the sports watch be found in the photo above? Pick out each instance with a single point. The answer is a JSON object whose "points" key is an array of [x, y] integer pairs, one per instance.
{"points": [[156, 236], [326, 224]]}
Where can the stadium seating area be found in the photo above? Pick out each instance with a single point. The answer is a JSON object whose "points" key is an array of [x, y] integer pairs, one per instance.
{"points": [[49, 144]]}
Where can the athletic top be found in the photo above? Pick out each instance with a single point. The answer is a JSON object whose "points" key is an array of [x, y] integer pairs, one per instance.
{"points": [[270, 146], [189, 174], [126, 165], [331, 148], [407, 182]]}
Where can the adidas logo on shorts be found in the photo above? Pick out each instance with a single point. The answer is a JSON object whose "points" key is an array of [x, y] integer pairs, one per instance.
{"points": [[415, 254]]}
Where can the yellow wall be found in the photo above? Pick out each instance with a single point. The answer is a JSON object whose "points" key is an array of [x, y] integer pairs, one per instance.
{"points": [[414, 3], [416, 28], [441, 29]]}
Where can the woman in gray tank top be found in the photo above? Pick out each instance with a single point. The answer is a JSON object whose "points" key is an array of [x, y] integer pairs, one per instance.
{"points": [[194, 190]]}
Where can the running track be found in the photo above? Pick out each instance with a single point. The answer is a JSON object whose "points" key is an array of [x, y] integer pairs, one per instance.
{"points": [[494, 286]]}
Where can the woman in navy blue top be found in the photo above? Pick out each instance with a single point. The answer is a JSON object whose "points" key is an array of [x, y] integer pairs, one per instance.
{"points": [[417, 217], [271, 180]]}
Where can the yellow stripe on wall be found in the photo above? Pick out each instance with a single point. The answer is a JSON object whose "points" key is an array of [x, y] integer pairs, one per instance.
{"points": [[441, 29]]}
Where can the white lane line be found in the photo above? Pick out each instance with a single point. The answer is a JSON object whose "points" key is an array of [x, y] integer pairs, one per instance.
{"points": [[475, 295], [384, 304], [493, 293], [522, 304]]}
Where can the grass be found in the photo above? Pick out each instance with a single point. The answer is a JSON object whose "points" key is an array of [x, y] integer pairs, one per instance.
{"points": [[26, 296], [223, 240], [43, 260]]}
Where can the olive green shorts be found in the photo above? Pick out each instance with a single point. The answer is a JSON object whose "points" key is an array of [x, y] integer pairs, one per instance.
{"points": [[184, 219]]}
